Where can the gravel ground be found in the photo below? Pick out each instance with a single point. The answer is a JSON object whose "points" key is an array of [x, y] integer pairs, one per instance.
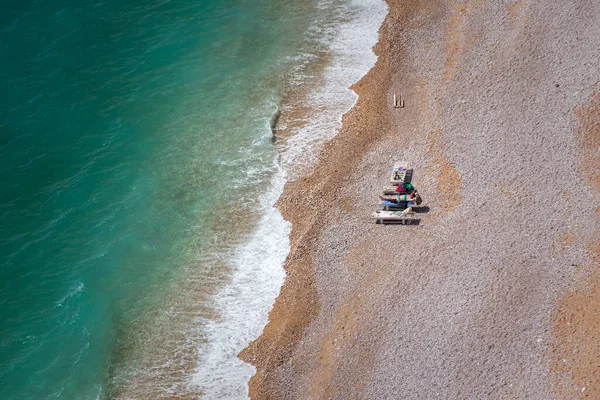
{"points": [[460, 306]]}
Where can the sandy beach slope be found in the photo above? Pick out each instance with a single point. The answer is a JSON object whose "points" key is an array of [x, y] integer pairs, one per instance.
{"points": [[496, 294]]}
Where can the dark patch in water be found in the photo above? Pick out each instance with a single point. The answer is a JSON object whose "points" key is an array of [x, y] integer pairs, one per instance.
{"points": [[274, 122]]}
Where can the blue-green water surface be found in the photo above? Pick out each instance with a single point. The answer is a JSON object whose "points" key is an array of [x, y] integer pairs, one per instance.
{"points": [[126, 128]]}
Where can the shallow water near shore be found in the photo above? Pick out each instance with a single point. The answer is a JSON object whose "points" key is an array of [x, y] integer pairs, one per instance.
{"points": [[140, 249]]}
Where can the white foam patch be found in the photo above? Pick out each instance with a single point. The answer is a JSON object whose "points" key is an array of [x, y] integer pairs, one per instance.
{"points": [[73, 292], [245, 303]]}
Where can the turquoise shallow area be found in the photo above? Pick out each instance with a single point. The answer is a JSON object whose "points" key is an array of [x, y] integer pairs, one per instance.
{"points": [[124, 126]]}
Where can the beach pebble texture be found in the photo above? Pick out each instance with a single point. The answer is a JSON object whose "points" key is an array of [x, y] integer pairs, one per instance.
{"points": [[460, 306]]}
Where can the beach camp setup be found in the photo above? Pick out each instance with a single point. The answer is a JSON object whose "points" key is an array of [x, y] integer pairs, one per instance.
{"points": [[399, 201]]}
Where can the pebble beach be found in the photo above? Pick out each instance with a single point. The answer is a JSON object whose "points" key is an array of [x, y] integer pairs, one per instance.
{"points": [[496, 293]]}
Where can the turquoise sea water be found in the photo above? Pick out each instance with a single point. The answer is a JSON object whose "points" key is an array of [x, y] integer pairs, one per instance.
{"points": [[138, 175]]}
